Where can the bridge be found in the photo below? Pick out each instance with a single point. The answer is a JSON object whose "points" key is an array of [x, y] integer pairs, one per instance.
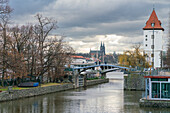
{"points": [[104, 68], [80, 73]]}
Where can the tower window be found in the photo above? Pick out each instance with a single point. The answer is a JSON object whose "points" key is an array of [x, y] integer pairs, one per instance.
{"points": [[152, 24], [146, 35], [146, 45], [146, 39]]}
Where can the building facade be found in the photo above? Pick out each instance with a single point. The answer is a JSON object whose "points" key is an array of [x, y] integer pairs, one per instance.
{"points": [[153, 40]]}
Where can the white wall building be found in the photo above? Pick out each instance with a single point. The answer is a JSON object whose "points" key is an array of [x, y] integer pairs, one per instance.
{"points": [[153, 29]]}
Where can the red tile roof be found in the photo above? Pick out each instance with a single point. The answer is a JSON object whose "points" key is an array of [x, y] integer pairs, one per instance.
{"points": [[87, 58], [153, 19], [77, 57]]}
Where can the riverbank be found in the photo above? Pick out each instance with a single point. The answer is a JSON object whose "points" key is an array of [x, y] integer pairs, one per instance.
{"points": [[24, 93]]}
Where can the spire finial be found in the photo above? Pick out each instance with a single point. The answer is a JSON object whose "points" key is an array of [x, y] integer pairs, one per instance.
{"points": [[153, 4]]}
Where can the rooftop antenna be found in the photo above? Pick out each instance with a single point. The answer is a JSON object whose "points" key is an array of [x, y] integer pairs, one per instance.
{"points": [[153, 4]]}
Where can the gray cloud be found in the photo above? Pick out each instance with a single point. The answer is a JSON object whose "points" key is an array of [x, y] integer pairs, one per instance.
{"points": [[82, 20], [22, 7]]}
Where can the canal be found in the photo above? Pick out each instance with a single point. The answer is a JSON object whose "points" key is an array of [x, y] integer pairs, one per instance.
{"points": [[103, 98]]}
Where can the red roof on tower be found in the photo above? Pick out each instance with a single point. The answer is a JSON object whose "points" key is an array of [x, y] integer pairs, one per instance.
{"points": [[153, 19]]}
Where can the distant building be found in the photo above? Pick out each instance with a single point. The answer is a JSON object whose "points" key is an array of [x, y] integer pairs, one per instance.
{"points": [[115, 57], [153, 34], [99, 53]]}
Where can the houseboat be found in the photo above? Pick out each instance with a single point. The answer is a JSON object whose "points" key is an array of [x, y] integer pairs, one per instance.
{"points": [[157, 91], [157, 87]]}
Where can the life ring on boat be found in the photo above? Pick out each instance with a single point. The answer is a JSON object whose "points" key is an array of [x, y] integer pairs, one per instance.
{"points": [[156, 96]]}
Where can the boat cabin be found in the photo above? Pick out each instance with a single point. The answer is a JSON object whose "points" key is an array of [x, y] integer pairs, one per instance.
{"points": [[157, 87]]}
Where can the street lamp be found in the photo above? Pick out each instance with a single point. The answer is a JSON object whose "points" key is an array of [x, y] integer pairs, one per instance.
{"points": [[153, 25]]}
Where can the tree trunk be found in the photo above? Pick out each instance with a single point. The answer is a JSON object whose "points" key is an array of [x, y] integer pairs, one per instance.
{"points": [[4, 53]]}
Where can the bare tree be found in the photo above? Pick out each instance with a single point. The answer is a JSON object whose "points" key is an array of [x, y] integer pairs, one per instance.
{"points": [[5, 11], [168, 51], [30, 49], [63, 54], [41, 31], [17, 51]]}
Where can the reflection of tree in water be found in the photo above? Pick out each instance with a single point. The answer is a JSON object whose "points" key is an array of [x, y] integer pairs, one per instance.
{"points": [[39, 104]]}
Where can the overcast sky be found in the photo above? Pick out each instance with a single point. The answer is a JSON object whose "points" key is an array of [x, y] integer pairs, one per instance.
{"points": [[85, 23]]}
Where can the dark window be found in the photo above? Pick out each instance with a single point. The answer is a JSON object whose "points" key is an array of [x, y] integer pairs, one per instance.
{"points": [[146, 39], [146, 35], [159, 79], [146, 45]]}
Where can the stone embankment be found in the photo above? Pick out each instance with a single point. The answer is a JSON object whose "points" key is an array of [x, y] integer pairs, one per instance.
{"points": [[17, 94], [134, 81], [94, 82], [154, 103]]}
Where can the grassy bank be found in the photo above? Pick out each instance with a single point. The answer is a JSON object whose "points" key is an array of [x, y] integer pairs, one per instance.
{"points": [[20, 88]]}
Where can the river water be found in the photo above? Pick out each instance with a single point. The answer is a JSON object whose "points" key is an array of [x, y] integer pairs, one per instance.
{"points": [[103, 98]]}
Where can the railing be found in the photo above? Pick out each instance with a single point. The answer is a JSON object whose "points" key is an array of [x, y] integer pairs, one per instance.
{"points": [[158, 72]]}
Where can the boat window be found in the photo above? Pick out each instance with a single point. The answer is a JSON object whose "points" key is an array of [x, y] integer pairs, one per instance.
{"points": [[155, 90], [159, 79], [165, 90]]}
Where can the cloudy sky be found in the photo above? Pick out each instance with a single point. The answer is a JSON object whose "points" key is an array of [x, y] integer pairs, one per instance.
{"points": [[85, 23]]}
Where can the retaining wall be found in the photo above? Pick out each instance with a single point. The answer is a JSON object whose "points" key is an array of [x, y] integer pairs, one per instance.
{"points": [[17, 94], [94, 82], [134, 81], [154, 103]]}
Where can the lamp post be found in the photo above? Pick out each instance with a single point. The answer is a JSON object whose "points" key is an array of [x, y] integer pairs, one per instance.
{"points": [[152, 55]]}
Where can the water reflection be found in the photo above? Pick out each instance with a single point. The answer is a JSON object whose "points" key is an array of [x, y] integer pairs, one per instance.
{"points": [[103, 98]]}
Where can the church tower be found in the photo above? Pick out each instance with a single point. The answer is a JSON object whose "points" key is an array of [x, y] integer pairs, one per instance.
{"points": [[102, 48], [153, 40]]}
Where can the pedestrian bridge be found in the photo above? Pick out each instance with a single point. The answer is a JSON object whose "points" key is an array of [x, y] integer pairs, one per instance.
{"points": [[80, 72], [103, 68]]}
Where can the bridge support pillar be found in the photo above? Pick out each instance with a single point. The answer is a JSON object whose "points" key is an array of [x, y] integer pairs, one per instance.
{"points": [[103, 75], [79, 80], [75, 78], [85, 80]]}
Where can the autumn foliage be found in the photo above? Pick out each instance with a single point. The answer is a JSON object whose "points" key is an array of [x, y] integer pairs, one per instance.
{"points": [[133, 58]]}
